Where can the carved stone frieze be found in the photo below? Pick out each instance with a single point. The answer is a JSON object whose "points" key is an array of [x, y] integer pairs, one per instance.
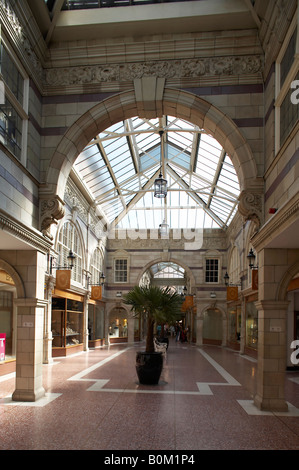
{"points": [[51, 210], [11, 22], [190, 68]]}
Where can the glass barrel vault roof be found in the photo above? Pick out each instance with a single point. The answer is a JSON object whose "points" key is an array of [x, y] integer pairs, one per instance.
{"points": [[119, 166]]}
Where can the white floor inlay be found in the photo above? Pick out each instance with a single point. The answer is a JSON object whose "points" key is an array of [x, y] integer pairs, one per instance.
{"points": [[252, 410], [43, 401], [204, 387]]}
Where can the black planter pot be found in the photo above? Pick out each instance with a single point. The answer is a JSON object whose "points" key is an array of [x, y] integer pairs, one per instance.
{"points": [[149, 367]]}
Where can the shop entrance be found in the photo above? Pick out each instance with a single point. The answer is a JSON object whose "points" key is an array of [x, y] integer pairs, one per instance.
{"points": [[118, 325], [212, 326]]}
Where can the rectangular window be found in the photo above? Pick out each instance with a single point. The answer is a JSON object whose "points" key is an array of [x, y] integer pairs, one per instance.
{"points": [[121, 270], [289, 115], [212, 270], [288, 58], [11, 128], [11, 75], [12, 111]]}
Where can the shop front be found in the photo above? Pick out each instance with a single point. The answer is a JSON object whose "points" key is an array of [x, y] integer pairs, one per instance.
{"points": [[118, 325], [234, 325], [67, 323], [96, 323], [7, 324], [251, 325], [212, 326]]}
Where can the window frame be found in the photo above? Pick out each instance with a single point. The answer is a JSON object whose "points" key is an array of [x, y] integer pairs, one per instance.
{"points": [[212, 258], [115, 260], [70, 241], [20, 108], [282, 90]]}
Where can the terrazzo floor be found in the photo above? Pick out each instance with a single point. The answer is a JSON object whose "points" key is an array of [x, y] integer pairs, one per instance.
{"points": [[204, 401]]}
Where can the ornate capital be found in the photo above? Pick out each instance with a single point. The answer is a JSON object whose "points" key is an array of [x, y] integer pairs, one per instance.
{"points": [[251, 203], [51, 210]]}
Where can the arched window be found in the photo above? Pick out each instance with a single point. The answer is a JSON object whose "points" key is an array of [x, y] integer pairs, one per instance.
{"points": [[96, 265], [234, 266], [69, 240]]}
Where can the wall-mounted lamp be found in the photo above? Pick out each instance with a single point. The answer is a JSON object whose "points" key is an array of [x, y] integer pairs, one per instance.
{"points": [[251, 259], [213, 295], [118, 294], [184, 292], [71, 258], [100, 283], [226, 279]]}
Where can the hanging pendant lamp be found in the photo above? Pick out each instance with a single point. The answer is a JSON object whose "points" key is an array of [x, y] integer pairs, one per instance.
{"points": [[160, 184]]}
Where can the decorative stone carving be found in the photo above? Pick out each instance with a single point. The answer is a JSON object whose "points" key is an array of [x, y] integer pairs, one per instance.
{"points": [[251, 206], [51, 210], [10, 21], [184, 68]]}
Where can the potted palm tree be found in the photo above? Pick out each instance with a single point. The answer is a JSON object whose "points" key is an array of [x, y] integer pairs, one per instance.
{"points": [[157, 306]]}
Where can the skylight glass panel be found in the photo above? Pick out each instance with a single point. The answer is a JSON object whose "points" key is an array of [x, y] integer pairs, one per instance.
{"points": [[174, 155], [194, 199]]}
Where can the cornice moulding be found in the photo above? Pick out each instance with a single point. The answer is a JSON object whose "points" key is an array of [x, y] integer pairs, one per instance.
{"points": [[27, 235], [282, 219]]}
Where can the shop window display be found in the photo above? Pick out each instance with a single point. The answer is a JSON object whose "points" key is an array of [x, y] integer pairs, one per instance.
{"points": [[234, 324], [96, 321], [6, 319], [118, 324], [67, 322], [251, 325]]}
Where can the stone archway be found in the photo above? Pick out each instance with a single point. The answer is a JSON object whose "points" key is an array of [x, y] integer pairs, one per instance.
{"points": [[150, 99], [220, 337], [190, 275], [20, 289]]}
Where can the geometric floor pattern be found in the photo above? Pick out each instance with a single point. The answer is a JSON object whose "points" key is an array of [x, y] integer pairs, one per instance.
{"points": [[204, 400]]}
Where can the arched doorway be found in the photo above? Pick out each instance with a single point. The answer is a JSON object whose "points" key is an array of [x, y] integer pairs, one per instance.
{"points": [[118, 325], [212, 331]]}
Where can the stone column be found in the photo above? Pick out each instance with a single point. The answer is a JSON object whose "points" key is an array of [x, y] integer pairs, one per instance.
{"points": [[48, 337], [271, 355], [30, 326], [29, 357]]}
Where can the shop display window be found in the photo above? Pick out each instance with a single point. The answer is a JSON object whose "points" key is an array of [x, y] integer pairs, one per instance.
{"points": [[251, 325], [96, 319], [6, 302], [67, 322], [118, 324], [234, 324]]}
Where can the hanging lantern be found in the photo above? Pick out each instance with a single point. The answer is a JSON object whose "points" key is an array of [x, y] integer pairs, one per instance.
{"points": [[164, 228], [160, 184], [160, 187]]}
